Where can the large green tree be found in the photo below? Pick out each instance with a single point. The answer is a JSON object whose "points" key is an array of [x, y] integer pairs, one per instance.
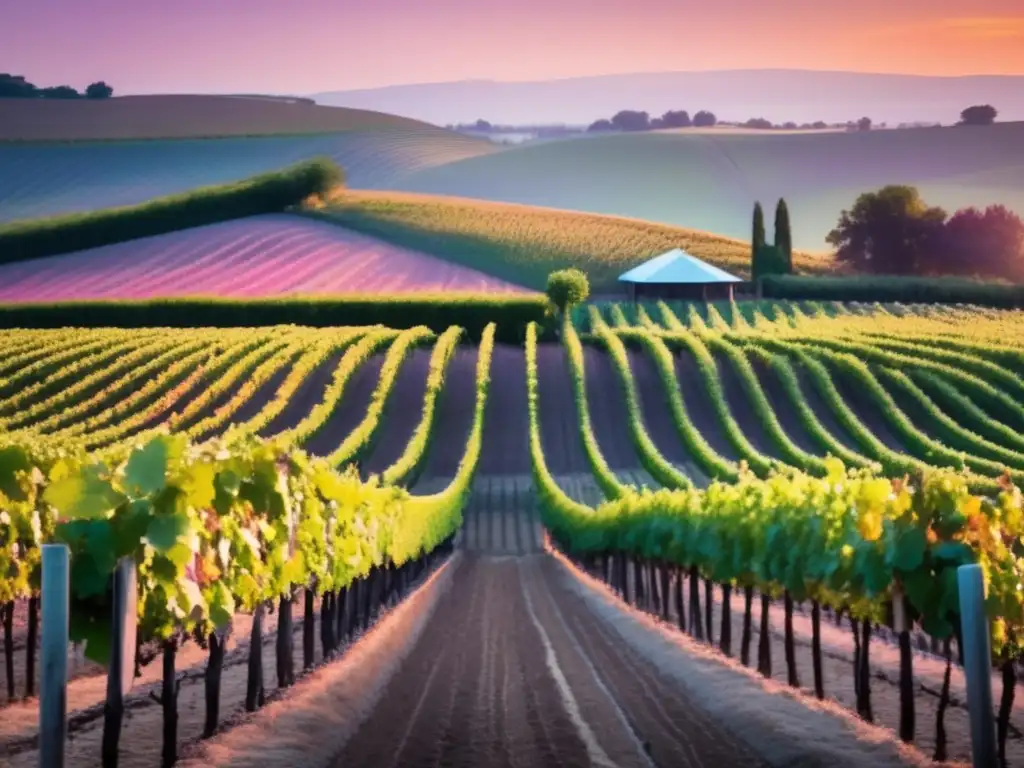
{"points": [[891, 231], [757, 239]]}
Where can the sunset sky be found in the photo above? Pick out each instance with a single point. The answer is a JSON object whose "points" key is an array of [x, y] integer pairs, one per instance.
{"points": [[305, 46]]}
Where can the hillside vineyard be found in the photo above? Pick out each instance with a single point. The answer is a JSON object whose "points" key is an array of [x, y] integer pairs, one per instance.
{"points": [[785, 457]]}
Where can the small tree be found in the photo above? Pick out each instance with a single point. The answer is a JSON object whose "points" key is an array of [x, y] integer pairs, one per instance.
{"points": [[99, 90], [864, 124], [982, 114], [600, 125], [783, 234], [758, 237], [631, 120], [676, 119], [567, 288], [704, 119]]}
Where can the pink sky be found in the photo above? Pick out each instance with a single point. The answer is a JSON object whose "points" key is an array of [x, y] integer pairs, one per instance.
{"points": [[305, 46]]}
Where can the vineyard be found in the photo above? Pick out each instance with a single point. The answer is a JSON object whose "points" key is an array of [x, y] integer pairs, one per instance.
{"points": [[258, 256], [717, 466]]}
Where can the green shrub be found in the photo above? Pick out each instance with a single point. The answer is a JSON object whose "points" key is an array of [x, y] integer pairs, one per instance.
{"points": [[567, 288], [266, 193], [438, 312], [768, 260], [891, 288]]}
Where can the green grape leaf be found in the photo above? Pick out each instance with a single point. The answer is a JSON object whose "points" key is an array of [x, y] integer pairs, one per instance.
{"points": [[84, 496], [907, 549], [146, 471], [936, 626], [953, 552], [13, 459], [199, 486], [92, 627], [222, 605], [165, 531]]}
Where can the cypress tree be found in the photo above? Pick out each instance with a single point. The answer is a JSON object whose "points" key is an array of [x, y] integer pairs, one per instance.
{"points": [[758, 238], [783, 236]]}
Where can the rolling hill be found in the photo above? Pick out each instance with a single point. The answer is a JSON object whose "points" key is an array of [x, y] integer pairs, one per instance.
{"points": [[65, 168], [780, 95], [709, 181]]}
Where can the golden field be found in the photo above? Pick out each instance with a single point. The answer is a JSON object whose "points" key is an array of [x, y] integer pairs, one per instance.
{"points": [[522, 244]]}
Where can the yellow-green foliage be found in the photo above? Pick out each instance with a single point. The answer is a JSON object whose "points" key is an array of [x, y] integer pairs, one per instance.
{"points": [[524, 244]]}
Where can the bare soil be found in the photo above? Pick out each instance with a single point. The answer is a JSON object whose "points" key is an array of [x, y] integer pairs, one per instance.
{"points": [[350, 411], [783, 409], [658, 417], [559, 426], [402, 413], [453, 420], [698, 405], [866, 409], [309, 393], [821, 409], [506, 444], [742, 408]]}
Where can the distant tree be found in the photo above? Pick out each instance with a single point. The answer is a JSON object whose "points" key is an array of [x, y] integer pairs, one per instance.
{"points": [[978, 115], [891, 231], [16, 87], [566, 288], [482, 125], [631, 120], [60, 92], [676, 119], [757, 239], [656, 124], [819, 125], [758, 122], [987, 243], [864, 124], [99, 90], [783, 234], [601, 125], [704, 119], [790, 126]]}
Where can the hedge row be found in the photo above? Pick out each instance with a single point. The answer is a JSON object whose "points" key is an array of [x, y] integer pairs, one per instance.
{"points": [[266, 193], [889, 288], [438, 312]]}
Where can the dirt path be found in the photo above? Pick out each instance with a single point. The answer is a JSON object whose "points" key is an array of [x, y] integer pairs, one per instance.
{"points": [[500, 677], [658, 417]]}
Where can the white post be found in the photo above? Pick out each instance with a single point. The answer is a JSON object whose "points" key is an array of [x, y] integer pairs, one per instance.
{"points": [[977, 654], [53, 656]]}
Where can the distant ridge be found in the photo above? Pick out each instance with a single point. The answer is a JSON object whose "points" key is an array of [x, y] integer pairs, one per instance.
{"points": [[776, 94]]}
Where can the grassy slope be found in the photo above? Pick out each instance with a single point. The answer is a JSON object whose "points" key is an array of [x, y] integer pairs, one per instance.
{"points": [[45, 178], [523, 244], [709, 181], [152, 117]]}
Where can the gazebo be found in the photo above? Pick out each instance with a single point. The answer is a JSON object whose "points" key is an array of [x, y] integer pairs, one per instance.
{"points": [[678, 275]]}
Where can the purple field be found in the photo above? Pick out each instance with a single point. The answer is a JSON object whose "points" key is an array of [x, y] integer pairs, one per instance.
{"points": [[271, 255]]}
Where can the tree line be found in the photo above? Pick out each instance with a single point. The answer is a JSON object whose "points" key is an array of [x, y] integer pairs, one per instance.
{"points": [[634, 120], [893, 231], [17, 87]]}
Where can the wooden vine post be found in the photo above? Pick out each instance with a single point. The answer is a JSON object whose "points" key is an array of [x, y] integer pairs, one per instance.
{"points": [[121, 671], [977, 657], [53, 656]]}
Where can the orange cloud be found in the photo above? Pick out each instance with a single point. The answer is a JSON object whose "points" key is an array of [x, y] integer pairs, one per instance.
{"points": [[986, 26]]}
